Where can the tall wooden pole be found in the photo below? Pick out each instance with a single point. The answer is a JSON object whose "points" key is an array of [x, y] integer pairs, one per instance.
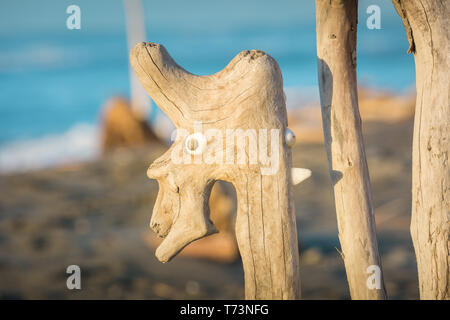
{"points": [[427, 25], [135, 28], [336, 23]]}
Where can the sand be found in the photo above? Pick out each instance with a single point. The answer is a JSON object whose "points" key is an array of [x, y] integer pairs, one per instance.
{"points": [[96, 215]]}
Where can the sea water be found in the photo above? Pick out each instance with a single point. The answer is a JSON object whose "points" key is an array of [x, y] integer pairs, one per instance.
{"points": [[54, 81]]}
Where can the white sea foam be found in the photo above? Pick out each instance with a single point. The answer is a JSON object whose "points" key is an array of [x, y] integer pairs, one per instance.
{"points": [[78, 144], [32, 56]]}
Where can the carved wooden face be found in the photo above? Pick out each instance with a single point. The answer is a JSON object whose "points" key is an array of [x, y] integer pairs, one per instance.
{"points": [[246, 95]]}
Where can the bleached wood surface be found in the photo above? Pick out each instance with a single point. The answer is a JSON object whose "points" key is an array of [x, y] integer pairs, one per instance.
{"points": [[427, 26], [336, 22]]}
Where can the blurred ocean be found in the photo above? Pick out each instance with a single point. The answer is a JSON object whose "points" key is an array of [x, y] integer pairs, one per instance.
{"points": [[54, 80]]}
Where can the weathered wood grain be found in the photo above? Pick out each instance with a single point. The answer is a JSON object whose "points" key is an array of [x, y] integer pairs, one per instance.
{"points": [[427, 25], [246, 95], [336, 23]]}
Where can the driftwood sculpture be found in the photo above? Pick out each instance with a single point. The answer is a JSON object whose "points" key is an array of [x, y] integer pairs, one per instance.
{"points": [[231, 126]]}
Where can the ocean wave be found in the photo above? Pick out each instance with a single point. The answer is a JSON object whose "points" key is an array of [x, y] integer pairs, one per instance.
{"points": [[78, 144]]}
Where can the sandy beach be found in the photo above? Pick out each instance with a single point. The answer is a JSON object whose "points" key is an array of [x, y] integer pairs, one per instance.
{"points": [[96, 215]]}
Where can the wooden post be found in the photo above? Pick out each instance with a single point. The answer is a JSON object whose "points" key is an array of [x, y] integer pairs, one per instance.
{"points": [[427, 27], [336, 51], [135, 28], [246, 99]]}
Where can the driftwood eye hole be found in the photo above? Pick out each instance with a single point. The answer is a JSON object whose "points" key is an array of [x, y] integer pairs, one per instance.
{"points": [[195, 143], [192, 144]]}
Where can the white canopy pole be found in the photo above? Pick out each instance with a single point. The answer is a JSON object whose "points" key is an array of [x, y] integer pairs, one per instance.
{"points": [[135, 28]]}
